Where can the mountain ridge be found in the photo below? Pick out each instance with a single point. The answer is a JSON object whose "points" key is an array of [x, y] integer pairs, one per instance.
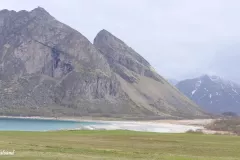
{"points": [[135, 72], [215, 94], [49, 69]]}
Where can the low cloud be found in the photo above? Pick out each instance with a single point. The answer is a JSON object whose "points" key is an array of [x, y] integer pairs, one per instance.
{"points": [[179, 38]]}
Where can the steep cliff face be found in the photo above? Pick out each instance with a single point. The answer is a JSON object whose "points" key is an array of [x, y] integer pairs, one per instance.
{"points": [[123, 59], [47, 68], [140, 82], [44, 45], [50, 69]]}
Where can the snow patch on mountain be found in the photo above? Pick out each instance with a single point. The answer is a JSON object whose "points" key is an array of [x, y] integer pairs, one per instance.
{"points": [[213, 93], [222, 86], [215, 78], [198, 84], [234, 90], [193, 91]]}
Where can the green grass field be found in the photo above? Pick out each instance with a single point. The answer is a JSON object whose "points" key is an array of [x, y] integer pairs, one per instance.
{"points": [[118, 145]]}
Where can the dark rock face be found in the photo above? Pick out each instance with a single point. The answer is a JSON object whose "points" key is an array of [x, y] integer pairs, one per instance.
{"points": [[140, 82], [50, 69], [212, 93], [123, 58]]}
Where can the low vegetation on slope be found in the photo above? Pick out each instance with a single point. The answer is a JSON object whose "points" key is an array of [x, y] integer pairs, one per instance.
{"points": [[231, 125], [118, 145]]}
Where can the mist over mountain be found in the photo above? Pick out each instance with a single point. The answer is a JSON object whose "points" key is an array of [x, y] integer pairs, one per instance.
{"points": [[225, 63], [213, 93], [173, 81]]}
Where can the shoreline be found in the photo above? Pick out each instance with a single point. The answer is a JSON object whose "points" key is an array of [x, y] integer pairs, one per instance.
{"points": [[75, 119], [159, 126], [102, 119]]}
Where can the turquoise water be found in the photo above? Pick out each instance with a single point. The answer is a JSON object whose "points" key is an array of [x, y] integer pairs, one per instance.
{"points": [[19, 124]]}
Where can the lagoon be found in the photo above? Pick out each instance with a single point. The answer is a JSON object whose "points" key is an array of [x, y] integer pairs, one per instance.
{"points": [[43, 124], [22, 124]]}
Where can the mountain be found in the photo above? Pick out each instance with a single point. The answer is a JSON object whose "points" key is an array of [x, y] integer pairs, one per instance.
{"points": [[50, 69], [140, 82], [212, 93]]}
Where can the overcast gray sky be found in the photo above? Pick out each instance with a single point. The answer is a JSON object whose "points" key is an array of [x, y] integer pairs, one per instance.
{"points": [[180, 38]]}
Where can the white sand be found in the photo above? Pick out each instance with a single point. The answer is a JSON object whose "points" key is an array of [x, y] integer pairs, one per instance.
{"points": [[143, 126], [160, 126]]}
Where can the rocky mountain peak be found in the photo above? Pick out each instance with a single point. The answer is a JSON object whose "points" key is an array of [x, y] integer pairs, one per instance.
{"points": [[40, 14], [39, 11], [105, 34], [49, 69], [52, 66], [4, 11], [139, 80], [122, 58], [106, 38], [214, 93]]}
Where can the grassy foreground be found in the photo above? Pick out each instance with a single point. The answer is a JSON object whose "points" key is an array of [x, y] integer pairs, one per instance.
{"points": [[118, 145]]}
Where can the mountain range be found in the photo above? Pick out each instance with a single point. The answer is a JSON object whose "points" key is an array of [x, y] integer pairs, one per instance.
{"points": [[213, 93], [49, 69]]}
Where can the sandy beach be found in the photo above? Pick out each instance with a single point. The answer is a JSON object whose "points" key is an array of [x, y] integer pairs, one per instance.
{"points": [[160, 126]]}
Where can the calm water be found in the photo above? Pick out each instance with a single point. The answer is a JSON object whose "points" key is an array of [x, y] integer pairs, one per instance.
{"points": [[18, 124]]}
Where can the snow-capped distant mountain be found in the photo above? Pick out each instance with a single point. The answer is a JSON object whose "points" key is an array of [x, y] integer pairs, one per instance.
{"points": [[212, 93]]}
